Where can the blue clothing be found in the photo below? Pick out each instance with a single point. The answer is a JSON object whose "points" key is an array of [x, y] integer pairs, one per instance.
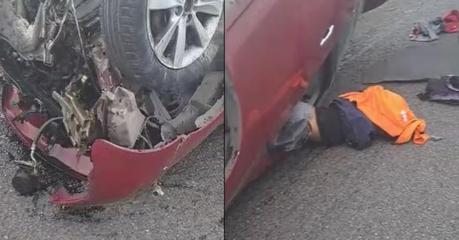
{"points": [[357, 129]]}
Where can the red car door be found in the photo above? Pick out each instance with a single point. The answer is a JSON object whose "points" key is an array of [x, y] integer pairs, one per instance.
{"points": [[268, 43]]}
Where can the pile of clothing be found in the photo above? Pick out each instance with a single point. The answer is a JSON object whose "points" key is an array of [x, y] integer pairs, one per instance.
{"points": [[429, 31], [353, 118]]}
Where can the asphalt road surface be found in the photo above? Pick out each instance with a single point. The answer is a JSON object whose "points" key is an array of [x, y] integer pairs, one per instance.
{"points": [[383, 192], [192, 207]]}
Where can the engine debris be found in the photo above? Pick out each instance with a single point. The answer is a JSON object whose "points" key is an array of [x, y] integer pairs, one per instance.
{"points": [[121, 116], [78, 121]]}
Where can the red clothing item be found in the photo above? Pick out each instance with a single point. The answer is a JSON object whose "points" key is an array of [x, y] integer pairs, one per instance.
{"points": [[451, 21], [390, 112]]}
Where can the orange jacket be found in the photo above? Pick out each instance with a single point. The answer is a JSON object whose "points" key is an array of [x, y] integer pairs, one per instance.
{"points": [[390, 112]]}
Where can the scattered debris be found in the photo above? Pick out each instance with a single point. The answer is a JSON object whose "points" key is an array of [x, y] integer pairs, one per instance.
{"points": [[436, 138], [25, 183], [157, 190], [81, 214], [444, 90], [418, 63], [429, 31], [451, 21]]}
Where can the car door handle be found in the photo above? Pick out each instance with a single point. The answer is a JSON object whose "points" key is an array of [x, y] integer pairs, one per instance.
{"points": [[327, 35]]}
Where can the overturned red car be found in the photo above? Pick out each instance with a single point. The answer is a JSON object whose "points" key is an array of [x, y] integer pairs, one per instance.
{"points": [[277, 53], [111, 92]]}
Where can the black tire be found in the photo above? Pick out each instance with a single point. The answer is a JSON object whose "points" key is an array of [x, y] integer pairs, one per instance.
{"points": [[325, 77], [124, 26]]}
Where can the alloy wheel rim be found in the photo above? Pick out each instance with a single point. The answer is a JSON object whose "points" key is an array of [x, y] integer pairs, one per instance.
{"points": [[181, 30]]}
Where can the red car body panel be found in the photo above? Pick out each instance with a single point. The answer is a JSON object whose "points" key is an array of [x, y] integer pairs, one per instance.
{"points": [[272, 51], [112, 172]]}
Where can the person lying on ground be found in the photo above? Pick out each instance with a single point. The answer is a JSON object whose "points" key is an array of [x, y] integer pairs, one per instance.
{"points": [[353, 118]]}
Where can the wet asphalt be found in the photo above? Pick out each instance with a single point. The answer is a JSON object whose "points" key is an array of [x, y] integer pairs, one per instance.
{"points": [[192, 207], [383, 192]]}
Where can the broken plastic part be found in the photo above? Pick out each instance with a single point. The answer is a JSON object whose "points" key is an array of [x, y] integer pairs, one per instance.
{"points": [[155, 106], [157, 190], [210, 90], [205, 118], [436, 138], [124, 121]]}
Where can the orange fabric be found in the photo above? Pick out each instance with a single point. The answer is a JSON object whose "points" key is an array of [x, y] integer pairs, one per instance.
{"points": [[390, 112]]}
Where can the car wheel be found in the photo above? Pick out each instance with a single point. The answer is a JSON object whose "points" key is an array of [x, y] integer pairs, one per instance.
{"points": [[324, 78], [165, 45]]}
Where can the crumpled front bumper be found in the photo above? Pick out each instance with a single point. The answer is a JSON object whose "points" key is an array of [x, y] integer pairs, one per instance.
{"points": [[111, 172]]}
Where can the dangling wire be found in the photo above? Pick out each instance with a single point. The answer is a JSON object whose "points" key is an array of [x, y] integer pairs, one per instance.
{"points": [[79, 31], [61, 27], [33, 147], [148, 142]]}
